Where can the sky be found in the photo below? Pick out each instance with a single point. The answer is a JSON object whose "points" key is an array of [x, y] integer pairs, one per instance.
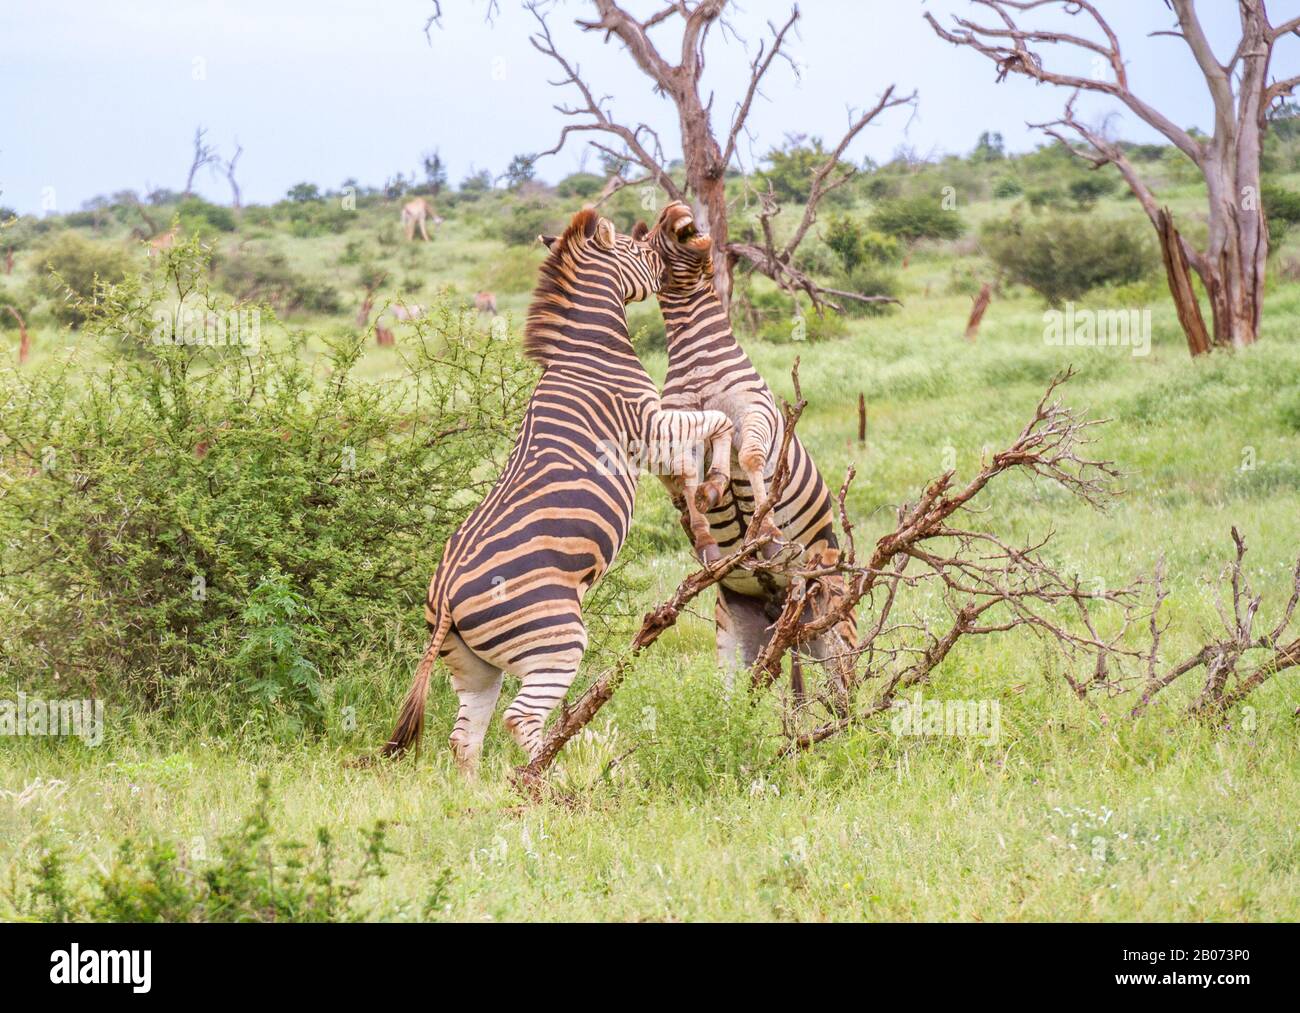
{"points": [[97, 97]]}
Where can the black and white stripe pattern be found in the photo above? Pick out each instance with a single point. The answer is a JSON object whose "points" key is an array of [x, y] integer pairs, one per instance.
{"points": [[707, 369], [507, 592]]}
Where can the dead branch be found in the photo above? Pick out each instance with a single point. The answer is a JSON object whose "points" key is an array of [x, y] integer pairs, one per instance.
{"points": [[204, 155], [1269, 652]]}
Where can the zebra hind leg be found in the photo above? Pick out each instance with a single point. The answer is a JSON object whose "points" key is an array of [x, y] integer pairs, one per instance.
{"points": [[544, 684], [477, 685]]}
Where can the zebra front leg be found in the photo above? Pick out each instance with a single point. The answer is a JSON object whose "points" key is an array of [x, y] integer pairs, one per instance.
{"points": [[678, 439], [756, 438]]}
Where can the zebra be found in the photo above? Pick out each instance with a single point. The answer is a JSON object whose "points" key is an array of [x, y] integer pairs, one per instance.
{"points": [[506, 595], [707, 369]]}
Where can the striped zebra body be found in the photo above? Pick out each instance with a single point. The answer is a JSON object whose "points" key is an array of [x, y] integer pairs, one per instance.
{"points": [[707, 369], [506, 596]]}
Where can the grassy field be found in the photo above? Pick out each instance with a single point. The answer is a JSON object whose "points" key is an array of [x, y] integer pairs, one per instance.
{"points": [[1070, 813]]}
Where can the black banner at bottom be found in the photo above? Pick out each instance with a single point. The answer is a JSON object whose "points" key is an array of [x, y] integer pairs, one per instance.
{"points": [[303, 962]]}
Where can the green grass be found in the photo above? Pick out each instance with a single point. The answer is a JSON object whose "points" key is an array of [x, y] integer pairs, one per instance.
{"points": [[1073, 813]]}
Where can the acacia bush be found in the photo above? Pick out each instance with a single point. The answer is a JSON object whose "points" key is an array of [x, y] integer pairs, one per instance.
{"points": [[910, 219], [264, 275], [147, 497], [1063, 256], [73, 271]]}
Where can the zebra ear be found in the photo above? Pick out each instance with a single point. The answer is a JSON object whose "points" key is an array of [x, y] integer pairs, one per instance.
{"points": [[605, 234], [640, 230], [548, 241]]}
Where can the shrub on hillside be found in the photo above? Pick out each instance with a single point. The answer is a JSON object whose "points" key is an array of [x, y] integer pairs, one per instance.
{"points": [[145, 504], [197, 215], [912, 218], [316, 217], [790, 172], [73, 273], [1062, 256], [527, 220], [853, 243], [579, 184], [256, 274], [1281, 209]]}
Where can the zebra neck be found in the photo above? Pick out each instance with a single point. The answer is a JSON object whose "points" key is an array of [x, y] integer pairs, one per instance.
{"points": [[699, 331], [582, 331]]}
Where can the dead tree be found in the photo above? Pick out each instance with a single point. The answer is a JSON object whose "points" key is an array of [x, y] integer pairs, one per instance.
{"points": [[372, 285], [1233, 261], [229, 168], [204, 155], [977, 311], [9, 260], [24, 339], [707, 156], [1219, 660]]}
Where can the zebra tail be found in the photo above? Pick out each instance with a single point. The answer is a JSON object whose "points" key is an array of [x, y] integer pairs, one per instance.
{"points": [[410, 723]]}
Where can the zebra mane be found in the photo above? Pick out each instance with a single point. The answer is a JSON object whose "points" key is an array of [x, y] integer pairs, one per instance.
{"points": [[554, 292]]}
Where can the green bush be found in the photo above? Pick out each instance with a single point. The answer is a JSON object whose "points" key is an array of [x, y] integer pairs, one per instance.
{"points": [[73, 272], [527, 220], [855, 244], [774, 316], [867, 278], [254, 878], [197, 215], [257, 274], [145, 503], [1281, 209], [579, 184], [1062, 256], [1007, 186], [646, 326], [912, 218], [790, 171], [316, 217], [1087, 190]]}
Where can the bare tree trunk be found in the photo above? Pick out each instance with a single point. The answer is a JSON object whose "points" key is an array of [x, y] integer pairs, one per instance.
{"points": [[1180, 285], [1233, 264], [24, 339], [977, 311], [862, 419]]}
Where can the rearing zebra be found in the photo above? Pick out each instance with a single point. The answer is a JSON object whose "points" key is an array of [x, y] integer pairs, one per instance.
{"points": [[708, 369], [507, 594]]}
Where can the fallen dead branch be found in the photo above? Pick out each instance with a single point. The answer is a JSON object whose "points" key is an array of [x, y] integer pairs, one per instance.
{"points": [[935, 580]]}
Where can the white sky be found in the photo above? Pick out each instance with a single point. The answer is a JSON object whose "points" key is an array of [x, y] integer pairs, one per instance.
{"points": [[99, 96]]}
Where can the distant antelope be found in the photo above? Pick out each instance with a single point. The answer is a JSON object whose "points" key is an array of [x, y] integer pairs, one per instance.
{"points": [[164, 241], [407, 313], [414, 214], [485, 302]]}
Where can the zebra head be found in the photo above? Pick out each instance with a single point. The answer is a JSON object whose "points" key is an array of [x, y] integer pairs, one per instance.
{"points": [[593, 244], [686, 252]]}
